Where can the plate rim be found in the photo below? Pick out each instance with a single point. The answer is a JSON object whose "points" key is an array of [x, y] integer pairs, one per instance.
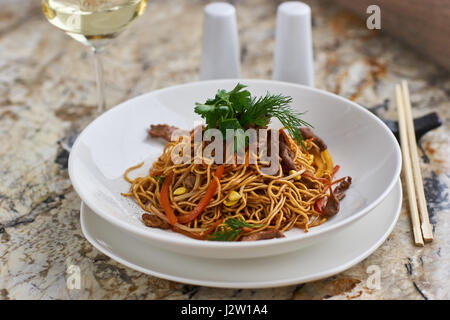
{"points": [[167, 239], [262, 284]]}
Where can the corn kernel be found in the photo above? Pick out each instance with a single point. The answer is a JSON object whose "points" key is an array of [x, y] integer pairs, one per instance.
{"points": [[296, 177], [179, 191], [229, 203], [234, 196]]}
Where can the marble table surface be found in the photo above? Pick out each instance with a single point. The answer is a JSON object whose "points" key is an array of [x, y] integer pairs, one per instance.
{"points": [[48, 95]]}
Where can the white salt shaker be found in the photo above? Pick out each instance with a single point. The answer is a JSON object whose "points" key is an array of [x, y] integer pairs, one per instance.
{"points": [[293, 58], [221, 53]]}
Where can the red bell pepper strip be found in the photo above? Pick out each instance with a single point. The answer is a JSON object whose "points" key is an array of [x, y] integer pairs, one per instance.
{"points": [[201, 206], [319, 204], [164, 199]]}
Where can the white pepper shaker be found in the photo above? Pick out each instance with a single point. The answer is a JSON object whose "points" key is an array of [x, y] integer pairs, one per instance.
{"points": [[293, 58], [221, 53]]}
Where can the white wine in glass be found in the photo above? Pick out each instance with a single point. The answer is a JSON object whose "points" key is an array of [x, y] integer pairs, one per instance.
{"points": [[93, 23]]}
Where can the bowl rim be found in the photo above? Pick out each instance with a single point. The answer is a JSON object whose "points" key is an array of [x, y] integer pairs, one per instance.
{"points": [[193, 243]]}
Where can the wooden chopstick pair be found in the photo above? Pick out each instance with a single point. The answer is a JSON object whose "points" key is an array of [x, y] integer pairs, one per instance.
{"points": [[422, 229]]}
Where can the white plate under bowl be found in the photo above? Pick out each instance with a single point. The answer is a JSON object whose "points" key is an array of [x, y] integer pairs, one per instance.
{"points": [[342, 250], [358, 141]]}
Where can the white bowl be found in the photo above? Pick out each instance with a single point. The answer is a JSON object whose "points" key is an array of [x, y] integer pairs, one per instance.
{"points": [[324, 259], [358, 141]]}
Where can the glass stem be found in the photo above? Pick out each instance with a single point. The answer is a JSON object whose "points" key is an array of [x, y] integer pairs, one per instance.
{"points": [[99, 77]]}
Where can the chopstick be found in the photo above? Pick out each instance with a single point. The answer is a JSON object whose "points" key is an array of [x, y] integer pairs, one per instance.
{"points": [[407, 168], [427, 230], [411, 167]]}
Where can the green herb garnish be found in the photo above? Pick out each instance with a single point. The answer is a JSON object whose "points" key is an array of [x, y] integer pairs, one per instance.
{"points": [[237, 109], [159, 179], [233, 228]]}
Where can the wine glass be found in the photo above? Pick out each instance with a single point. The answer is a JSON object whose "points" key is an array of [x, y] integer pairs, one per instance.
{"points": [[93, 23]]}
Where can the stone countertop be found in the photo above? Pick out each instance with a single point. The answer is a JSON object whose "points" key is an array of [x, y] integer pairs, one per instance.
{"points": [[48, 95]]}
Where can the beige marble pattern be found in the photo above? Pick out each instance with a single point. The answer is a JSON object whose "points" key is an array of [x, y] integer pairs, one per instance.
{"points": [[48, 94]]}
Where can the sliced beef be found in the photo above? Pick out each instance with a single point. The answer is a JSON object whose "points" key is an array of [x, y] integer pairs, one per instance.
{"points": [[162, 131], [189, 181], [286, 154], [308, 134], [332, 206], [153, 221], [263, 235], [265, 142], [343, 185]]}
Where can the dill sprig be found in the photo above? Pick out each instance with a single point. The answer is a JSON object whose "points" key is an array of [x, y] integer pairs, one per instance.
{"points": [[264, 108]]}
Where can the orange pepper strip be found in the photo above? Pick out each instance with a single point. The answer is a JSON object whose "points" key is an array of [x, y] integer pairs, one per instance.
{"points": [[337, 181], [311, 176], [335, 170], [164, 199], [196, 236], [328, 185], [205, 200]]}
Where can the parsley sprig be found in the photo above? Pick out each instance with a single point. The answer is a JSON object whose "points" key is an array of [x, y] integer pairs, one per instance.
{"points": [[233, 228], [237, 109], [160, 179]]}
